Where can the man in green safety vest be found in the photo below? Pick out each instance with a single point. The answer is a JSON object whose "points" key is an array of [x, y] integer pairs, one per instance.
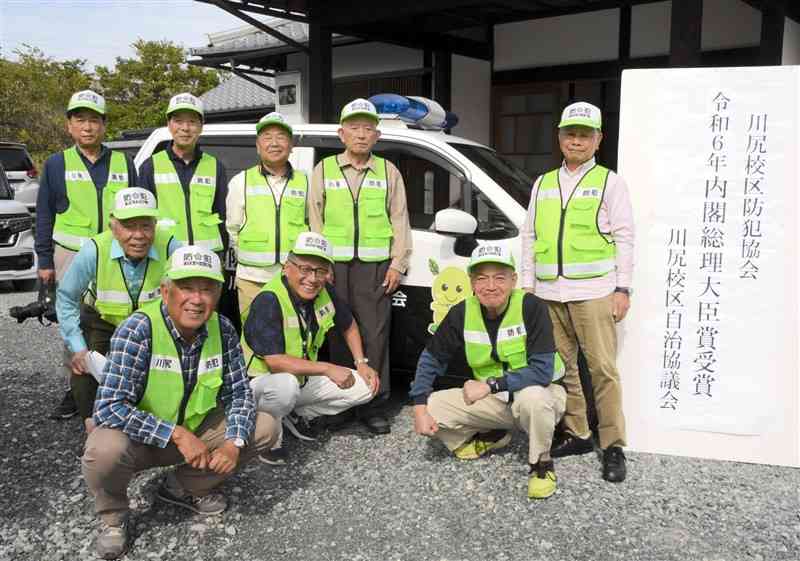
{"points": [[288, 322], [358, 202], [174, 392], [505, 337], [266, 209], [190, 184], [110, 277], [76, 194], [577, 255]]}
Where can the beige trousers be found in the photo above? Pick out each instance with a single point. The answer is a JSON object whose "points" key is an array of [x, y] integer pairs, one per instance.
{"points": [[247, 290], [62, 259], [589, 325], [535, 410], [111, 459]]}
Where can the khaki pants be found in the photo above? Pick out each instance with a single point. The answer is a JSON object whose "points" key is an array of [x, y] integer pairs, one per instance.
{"points": [[111, 459], [535, 410], [62, 259], [589, 324], [248, 290]]}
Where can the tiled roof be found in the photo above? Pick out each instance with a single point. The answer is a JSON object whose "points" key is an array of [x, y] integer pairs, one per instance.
{"points": [[235, 94], [248, 38]]}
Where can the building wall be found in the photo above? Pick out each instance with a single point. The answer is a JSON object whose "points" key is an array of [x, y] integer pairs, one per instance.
{"points": [[374, 58], [471, 98], [791, 42]]}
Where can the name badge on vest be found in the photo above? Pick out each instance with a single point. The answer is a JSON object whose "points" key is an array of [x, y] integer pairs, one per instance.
{"points": [[588, 193], [204, 180], [375, 183], [296, 193], [77, 176], [118, 177], [335, 184]]}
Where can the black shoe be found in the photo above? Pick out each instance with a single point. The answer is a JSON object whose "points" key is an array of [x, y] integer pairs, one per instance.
{"points": [[274, 457], [614, 469], [572, 446], [377, 424], [66, 408]]}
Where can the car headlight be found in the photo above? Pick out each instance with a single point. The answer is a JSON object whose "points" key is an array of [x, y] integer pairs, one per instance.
{"points": [[17, 224]]}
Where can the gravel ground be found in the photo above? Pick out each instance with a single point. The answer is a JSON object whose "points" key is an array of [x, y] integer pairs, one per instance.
{"points": [[353, 497]]}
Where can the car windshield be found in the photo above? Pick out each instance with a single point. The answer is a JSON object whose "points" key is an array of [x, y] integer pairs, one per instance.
{"points": [[515, 181], [5, 188], [14, 158]]}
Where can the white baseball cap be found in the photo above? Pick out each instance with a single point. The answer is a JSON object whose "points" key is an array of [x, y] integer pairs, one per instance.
{"points": [[359, 108], [583, 114], [311, 243], [87, 99], [194, 261], [132, 202], [276, 119], [491, 252], [185, 101]]}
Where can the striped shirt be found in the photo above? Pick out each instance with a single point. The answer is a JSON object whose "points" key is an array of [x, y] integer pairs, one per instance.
{"points": [[125, 376]]}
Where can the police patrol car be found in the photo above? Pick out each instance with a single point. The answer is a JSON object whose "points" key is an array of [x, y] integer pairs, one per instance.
{"points": [[458, 191]]}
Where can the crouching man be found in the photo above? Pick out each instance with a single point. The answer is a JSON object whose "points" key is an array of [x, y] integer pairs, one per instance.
{"points": [[506, 338], [284, 330], [174, 391]]}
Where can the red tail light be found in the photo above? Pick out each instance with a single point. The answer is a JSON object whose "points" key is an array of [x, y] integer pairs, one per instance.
{"points": [[33, 173]]}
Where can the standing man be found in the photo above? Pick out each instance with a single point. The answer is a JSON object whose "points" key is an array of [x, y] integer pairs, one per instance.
{"points": [[110, 277], [285, 328], [577, 248], [76, 194], [358, 202], [190, 184], [174, 391], [266, 209], [506, 338]]}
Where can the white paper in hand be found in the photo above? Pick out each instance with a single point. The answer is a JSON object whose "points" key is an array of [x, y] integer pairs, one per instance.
{"points": [[95, 362]]}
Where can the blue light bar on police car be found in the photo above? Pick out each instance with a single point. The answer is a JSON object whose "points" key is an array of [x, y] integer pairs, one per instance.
{"points": [[420, 111]]}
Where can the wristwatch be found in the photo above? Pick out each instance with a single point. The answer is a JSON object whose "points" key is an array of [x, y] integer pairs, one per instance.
{"points": [[494, 384], [239, 442], [624, 290], [362, 360]]}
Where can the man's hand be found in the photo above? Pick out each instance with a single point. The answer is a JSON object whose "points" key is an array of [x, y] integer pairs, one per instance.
{"points": [[193, 450], [224, 459], [339, 375], [78, 363], [370, 377], [619, 305], [424, 424], [475, 391], [47, 276], [392, 280]]}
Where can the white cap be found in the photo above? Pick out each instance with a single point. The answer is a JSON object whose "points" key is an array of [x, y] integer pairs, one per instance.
{"points": [[583, 114], [276, 119], [87, 99], [359, 107], [311, 243], [185, 101], [132, 202], [491, 252], [194, 261]]}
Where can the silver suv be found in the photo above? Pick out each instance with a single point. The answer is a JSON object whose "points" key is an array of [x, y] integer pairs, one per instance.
{"points": [[17, 260], [22, 173]]}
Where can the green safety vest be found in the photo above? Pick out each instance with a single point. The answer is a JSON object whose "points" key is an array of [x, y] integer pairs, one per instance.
{"points": [[164, 390], [510, 349], [298, 341], [112, 296], [192, 221], [88, 207], [362, 228], [569, 242], [270, 229]]}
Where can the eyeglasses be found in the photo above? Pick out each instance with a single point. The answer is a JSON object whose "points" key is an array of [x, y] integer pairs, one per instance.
{"points": [[306, 270]]}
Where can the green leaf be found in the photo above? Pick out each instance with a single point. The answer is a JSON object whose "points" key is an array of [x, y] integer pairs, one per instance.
{"points": [[433, 266]]}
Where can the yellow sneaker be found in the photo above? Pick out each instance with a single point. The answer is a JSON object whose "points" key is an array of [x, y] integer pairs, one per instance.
{"points": [[482, 444], [542, 480]]}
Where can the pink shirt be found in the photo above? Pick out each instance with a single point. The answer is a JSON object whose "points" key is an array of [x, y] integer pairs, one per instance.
{"points": [[615, 216]]}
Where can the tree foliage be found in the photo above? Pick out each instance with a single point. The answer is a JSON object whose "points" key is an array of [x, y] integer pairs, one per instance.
{"points": [[35, 90]]}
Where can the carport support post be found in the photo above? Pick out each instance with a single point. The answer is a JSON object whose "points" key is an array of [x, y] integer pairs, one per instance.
{"points": [[442, 78], [686, 32], [320, 70], [773, 20]]}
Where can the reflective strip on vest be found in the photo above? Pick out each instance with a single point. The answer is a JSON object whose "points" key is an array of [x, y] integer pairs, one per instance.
{"points": [[113, 296], [479, 337], [209, 364], [68, 240], [543, 270], [258, 190], [343, 251], [166, 178], [374, 253], [511, 332], [262, 258], [167, 363], [596, 268], [336, 184], [544, 194], [211, 245], [77, 176]]}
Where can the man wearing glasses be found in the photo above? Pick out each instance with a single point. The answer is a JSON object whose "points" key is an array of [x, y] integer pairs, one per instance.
{"points": [[266, 209], [506, 338], [358, 201], [286, 325]]}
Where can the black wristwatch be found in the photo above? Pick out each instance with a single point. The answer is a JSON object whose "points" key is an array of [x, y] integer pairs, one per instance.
{"points": [[494, 384], [624, 290]]}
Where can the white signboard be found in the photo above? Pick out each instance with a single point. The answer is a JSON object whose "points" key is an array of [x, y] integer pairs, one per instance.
{"points": [[709, 352]]}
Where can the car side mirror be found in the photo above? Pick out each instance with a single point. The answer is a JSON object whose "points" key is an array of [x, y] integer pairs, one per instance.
{"points": [[454, 222]]}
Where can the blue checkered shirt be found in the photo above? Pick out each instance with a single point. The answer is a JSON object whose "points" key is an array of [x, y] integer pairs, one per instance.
{"points": [[125, 376]]}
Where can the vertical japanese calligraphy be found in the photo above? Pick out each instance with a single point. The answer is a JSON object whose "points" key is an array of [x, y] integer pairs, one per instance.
{"points": [[755, 186], [669, 384]]}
